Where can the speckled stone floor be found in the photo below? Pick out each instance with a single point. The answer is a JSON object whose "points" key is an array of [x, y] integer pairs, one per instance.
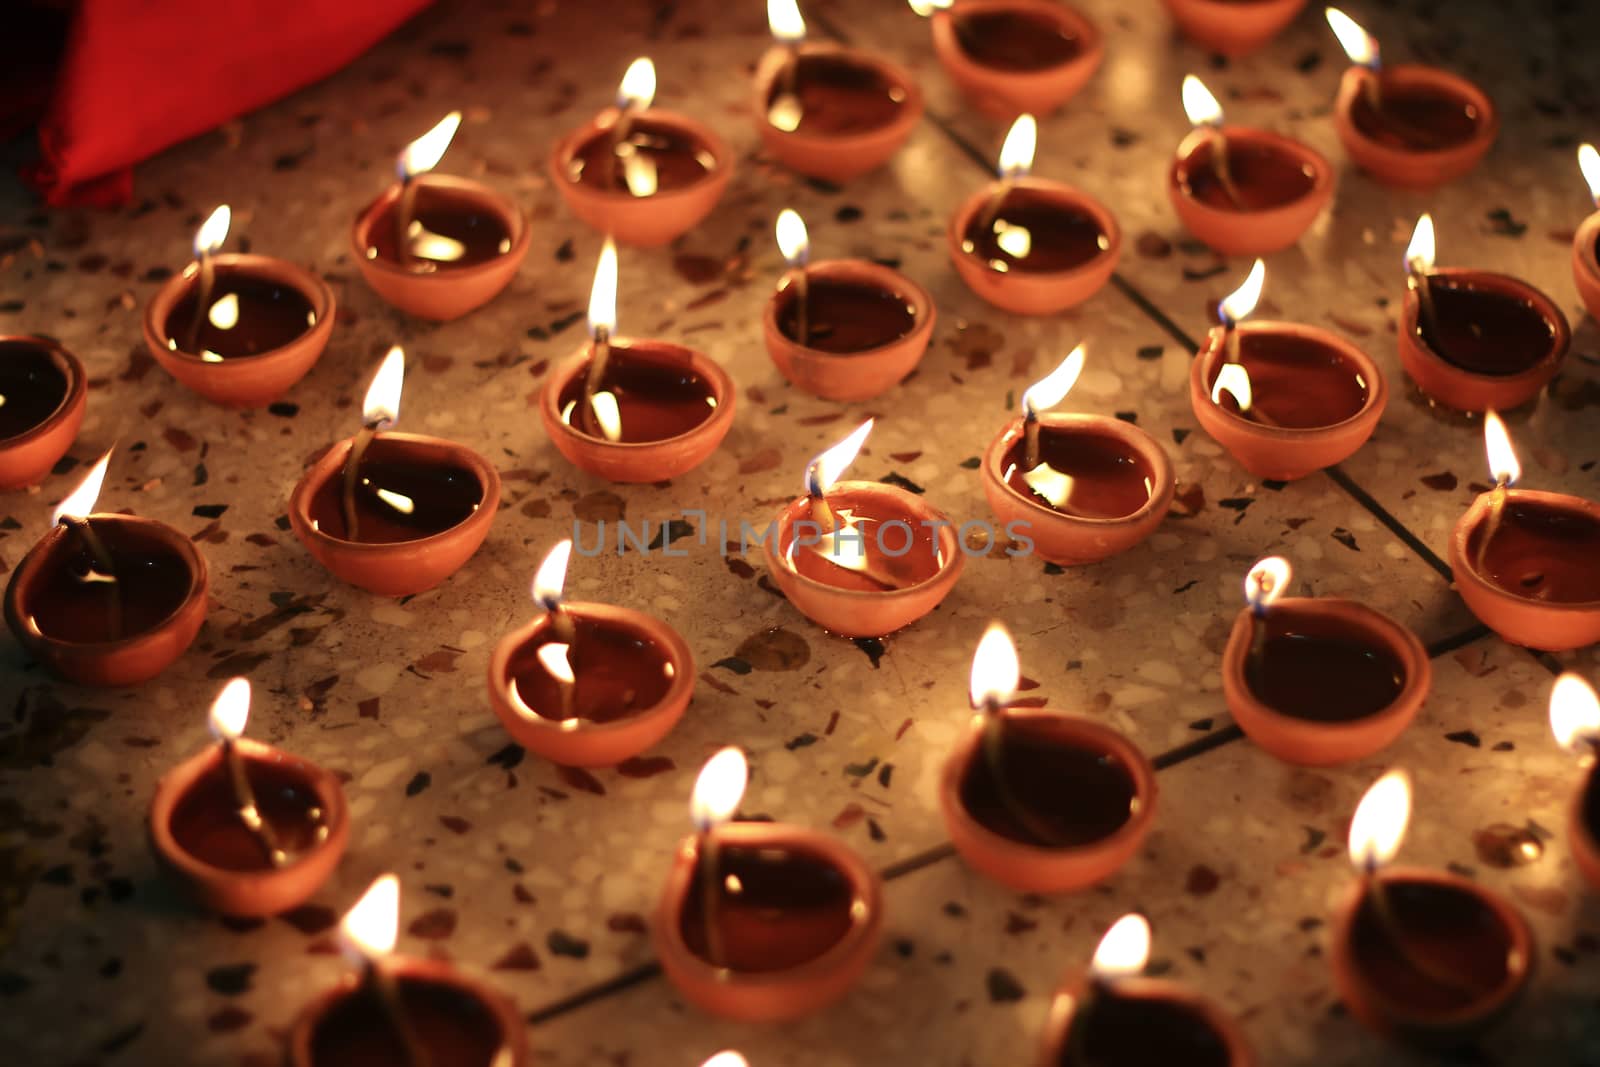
{"points": [[540, 879]]}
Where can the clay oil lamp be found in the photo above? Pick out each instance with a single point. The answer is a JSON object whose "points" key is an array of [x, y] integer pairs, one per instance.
{"points": [[761, 921], [1286, 399], [588, 685], [1233, 27], [400, 1011], [238, 329], [1014, 56], [1475, 340], [1040, 801], [828, 111], [1586, 243], [1423, 956], [843, 329], [1319, 680], [1081, 487], [634, 410], [861, 559], [1575, 719], [1113, 1016], [434, 245], [1031, 246], [107, 599], [1528, 562], [250, 831], [1243, 191], [1409, 126], [394, 513], [643, 175], [43, 393]]}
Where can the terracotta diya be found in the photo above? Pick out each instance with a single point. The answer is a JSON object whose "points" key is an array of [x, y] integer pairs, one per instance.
{"points": [[762, 922], [1243, 191], [1409, 126], [249, 830], [1528, 562], [1285, 399], [1040, 801], [1575, 719], [843, 329], [588, 685], [107, 599], [238, 329], [394, 513], [1233, 27], [1081, 488], [422, 1013], [643, 175], [438, 246], [1475, 340], [1319, 681], [1114, 1016], [861, 559], [1014, 56], [1423, 956], [43, 394], [827, 111], [634, 410], [1586, 242], [1031, 246]]}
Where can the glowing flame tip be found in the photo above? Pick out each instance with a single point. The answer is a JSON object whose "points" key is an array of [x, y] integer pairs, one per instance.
{"points": [[1053, 388], [381, 407], [369, 929], [1504, 467], [551, 577], [638, 88], [719, 788], [1266, 582], [1358, 44], [1379, 824], [726, 1058], [995, 670], [1237, 305], [783, 19], [830, 463], [230, 710], [1574, 712], [79, 504], [1589, 164], [928, 7], [1423, 248], [1016, 154], [603, 294], [423, 154], [1124, 950], [213, 232], [793, 241], [1199, 103]]}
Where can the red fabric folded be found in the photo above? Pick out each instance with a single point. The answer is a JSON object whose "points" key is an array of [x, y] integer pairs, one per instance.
{"points": [[139, 75]]}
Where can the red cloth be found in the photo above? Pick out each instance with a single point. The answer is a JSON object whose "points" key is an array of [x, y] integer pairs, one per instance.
{"points": [[139, 75]]}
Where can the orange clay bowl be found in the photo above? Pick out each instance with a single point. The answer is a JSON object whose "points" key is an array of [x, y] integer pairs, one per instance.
{"points": [[1071, 539], [842, 157], [864, 612], [450, 293], [1029, 868], [128, 661], [243, 381], [591, 744], [27, 457], [249, 894], [1005, 94], [1036, 292], [1323, 744], [853, 375], [1285, 452], [396, 568], [769, 996], [1580, 835], [1064, 1007], [1233, 29], [1250, 232], [1467, 390], [1551, 626], [1414, 169], [645, 221], [1585, 267]]}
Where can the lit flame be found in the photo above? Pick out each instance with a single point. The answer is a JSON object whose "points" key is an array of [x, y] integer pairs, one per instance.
{"points": [[1016, 155], [726, 1058], [1589, 163], [1504, 467], [603, 294], [792, 239], [995, 671], [607, 414], [719, 789], [551, 577], [783, 19], [1266, 582], [423, 154], [224, 314], [368, 930], [1234, 380], [1574, 712], [1358, 44], [382, 404], [1420, 252], [1238, 305], [557, 659], [79, 503], [928, 7], [825, 469], [208, 239], [1198, 103], [638, 88], [1124, 950], [1380, 821], [1053, 388], [231, 710]]}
